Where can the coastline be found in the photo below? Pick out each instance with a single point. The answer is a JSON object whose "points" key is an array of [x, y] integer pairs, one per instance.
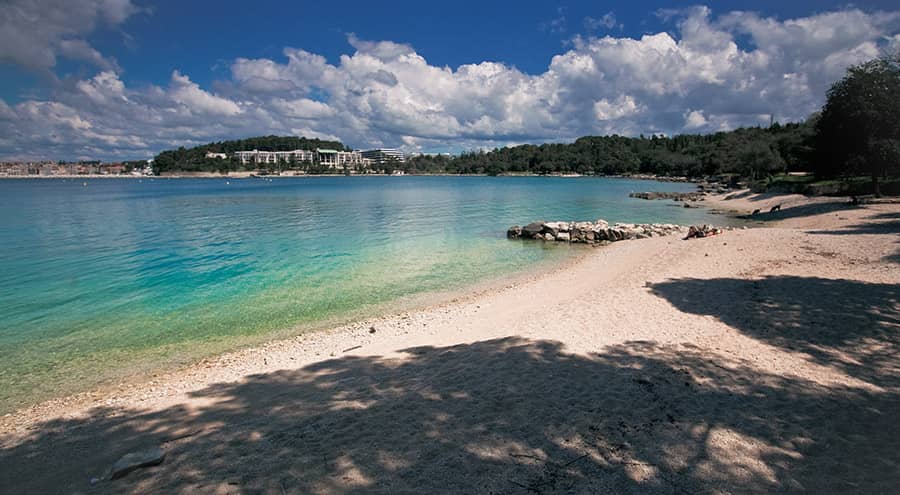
{"points": [[255, 174], [634, 297]]}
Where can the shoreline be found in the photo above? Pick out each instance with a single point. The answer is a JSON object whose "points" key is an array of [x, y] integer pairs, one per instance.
{"points": [[256, 175], [664, 302]]}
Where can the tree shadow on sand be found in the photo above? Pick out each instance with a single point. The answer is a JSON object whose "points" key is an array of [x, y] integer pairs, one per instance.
{"points": [[851, 325], [878, 224], [800, 211], [502, 416]]}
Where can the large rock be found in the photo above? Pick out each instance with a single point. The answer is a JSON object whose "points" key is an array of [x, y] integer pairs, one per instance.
{"points": [[532, 228], [136, 460], [557, 226]]}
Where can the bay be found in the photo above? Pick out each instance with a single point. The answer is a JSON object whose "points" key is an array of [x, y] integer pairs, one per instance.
{"points": [[101, 279]]}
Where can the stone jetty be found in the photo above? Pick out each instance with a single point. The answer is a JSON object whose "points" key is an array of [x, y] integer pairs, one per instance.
{"points": [[591, 232], [677, 196]]}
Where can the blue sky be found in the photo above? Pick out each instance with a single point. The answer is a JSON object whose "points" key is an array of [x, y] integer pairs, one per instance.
{"points": [[126, 78]]}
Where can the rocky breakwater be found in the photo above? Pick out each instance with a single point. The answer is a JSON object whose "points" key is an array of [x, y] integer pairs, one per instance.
{"points": [[598, 232], [677, 196]]}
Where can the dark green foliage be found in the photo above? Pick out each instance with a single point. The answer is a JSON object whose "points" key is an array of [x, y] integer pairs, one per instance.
{"points": [[194, 159], [858, 132], [751, 152]]}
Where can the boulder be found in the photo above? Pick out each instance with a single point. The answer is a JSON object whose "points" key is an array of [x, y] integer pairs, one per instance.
{"points": [[557, 226], [136, 460], [563, 237], [514, 232], [532, 228]]}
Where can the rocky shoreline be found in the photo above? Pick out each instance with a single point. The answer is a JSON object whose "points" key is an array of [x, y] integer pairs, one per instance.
{"points": [[599, 232]]}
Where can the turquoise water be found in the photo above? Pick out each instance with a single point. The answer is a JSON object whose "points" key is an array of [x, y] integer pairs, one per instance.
{"points": [[122, 276]]}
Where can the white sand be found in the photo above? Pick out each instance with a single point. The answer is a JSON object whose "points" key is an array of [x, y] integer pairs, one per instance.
{"points": [[761, 360]]}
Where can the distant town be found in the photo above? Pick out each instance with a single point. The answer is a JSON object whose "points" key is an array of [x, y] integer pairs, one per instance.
{"points": [[368, 161], [52, 168]]}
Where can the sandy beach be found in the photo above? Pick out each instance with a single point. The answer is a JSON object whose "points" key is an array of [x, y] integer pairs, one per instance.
{"points": [[765, 359]]}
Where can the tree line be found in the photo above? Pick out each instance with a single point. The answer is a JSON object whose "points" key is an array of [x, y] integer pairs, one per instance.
{"points": [[751, 152]]}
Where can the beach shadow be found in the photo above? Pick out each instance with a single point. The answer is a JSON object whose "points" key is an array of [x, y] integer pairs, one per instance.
{"points": [[509, 415], [851, 325], [888, 215], [800, 211], [879, 224], [871, 227]]}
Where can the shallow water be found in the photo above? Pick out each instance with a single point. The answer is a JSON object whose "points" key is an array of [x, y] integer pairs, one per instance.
{"points": [[118, 276]]}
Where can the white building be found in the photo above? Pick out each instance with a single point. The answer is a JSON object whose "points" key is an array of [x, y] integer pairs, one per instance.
{"points": [[331, 158], [384, 155], [341, 159], [256, 156], [210, 154]]}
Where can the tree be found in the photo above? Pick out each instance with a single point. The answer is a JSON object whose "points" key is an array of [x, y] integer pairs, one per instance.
{"points": [[859, 129], [758, 160]]}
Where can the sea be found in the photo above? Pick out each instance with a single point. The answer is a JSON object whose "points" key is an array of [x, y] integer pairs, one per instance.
{"points": [[106, 279]]}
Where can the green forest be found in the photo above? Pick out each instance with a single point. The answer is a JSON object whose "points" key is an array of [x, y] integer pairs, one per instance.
{"points": [[751, 152]]}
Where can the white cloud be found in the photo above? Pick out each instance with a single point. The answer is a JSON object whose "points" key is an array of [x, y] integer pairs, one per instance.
{"points": [[103, 88], [611, 110], [694, 119], [194, 99], [708, 73], [383, 50], [302, 108], [33, 33], [81, 50]]}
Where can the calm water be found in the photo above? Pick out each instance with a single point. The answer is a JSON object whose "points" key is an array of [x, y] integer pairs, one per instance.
{"points": [[122, 276]]}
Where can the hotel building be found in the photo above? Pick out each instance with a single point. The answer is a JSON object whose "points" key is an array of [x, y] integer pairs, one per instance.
{"points": [[384, 155], [333, 158]]}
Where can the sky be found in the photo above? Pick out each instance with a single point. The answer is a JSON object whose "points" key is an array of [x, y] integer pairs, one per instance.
{"points": [[125, 79]]}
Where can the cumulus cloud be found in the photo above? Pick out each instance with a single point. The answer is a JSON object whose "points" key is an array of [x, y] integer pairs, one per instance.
{"points": [[34, 33], [707, 73], [188, 93], [694, 119], [611, 110]]}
